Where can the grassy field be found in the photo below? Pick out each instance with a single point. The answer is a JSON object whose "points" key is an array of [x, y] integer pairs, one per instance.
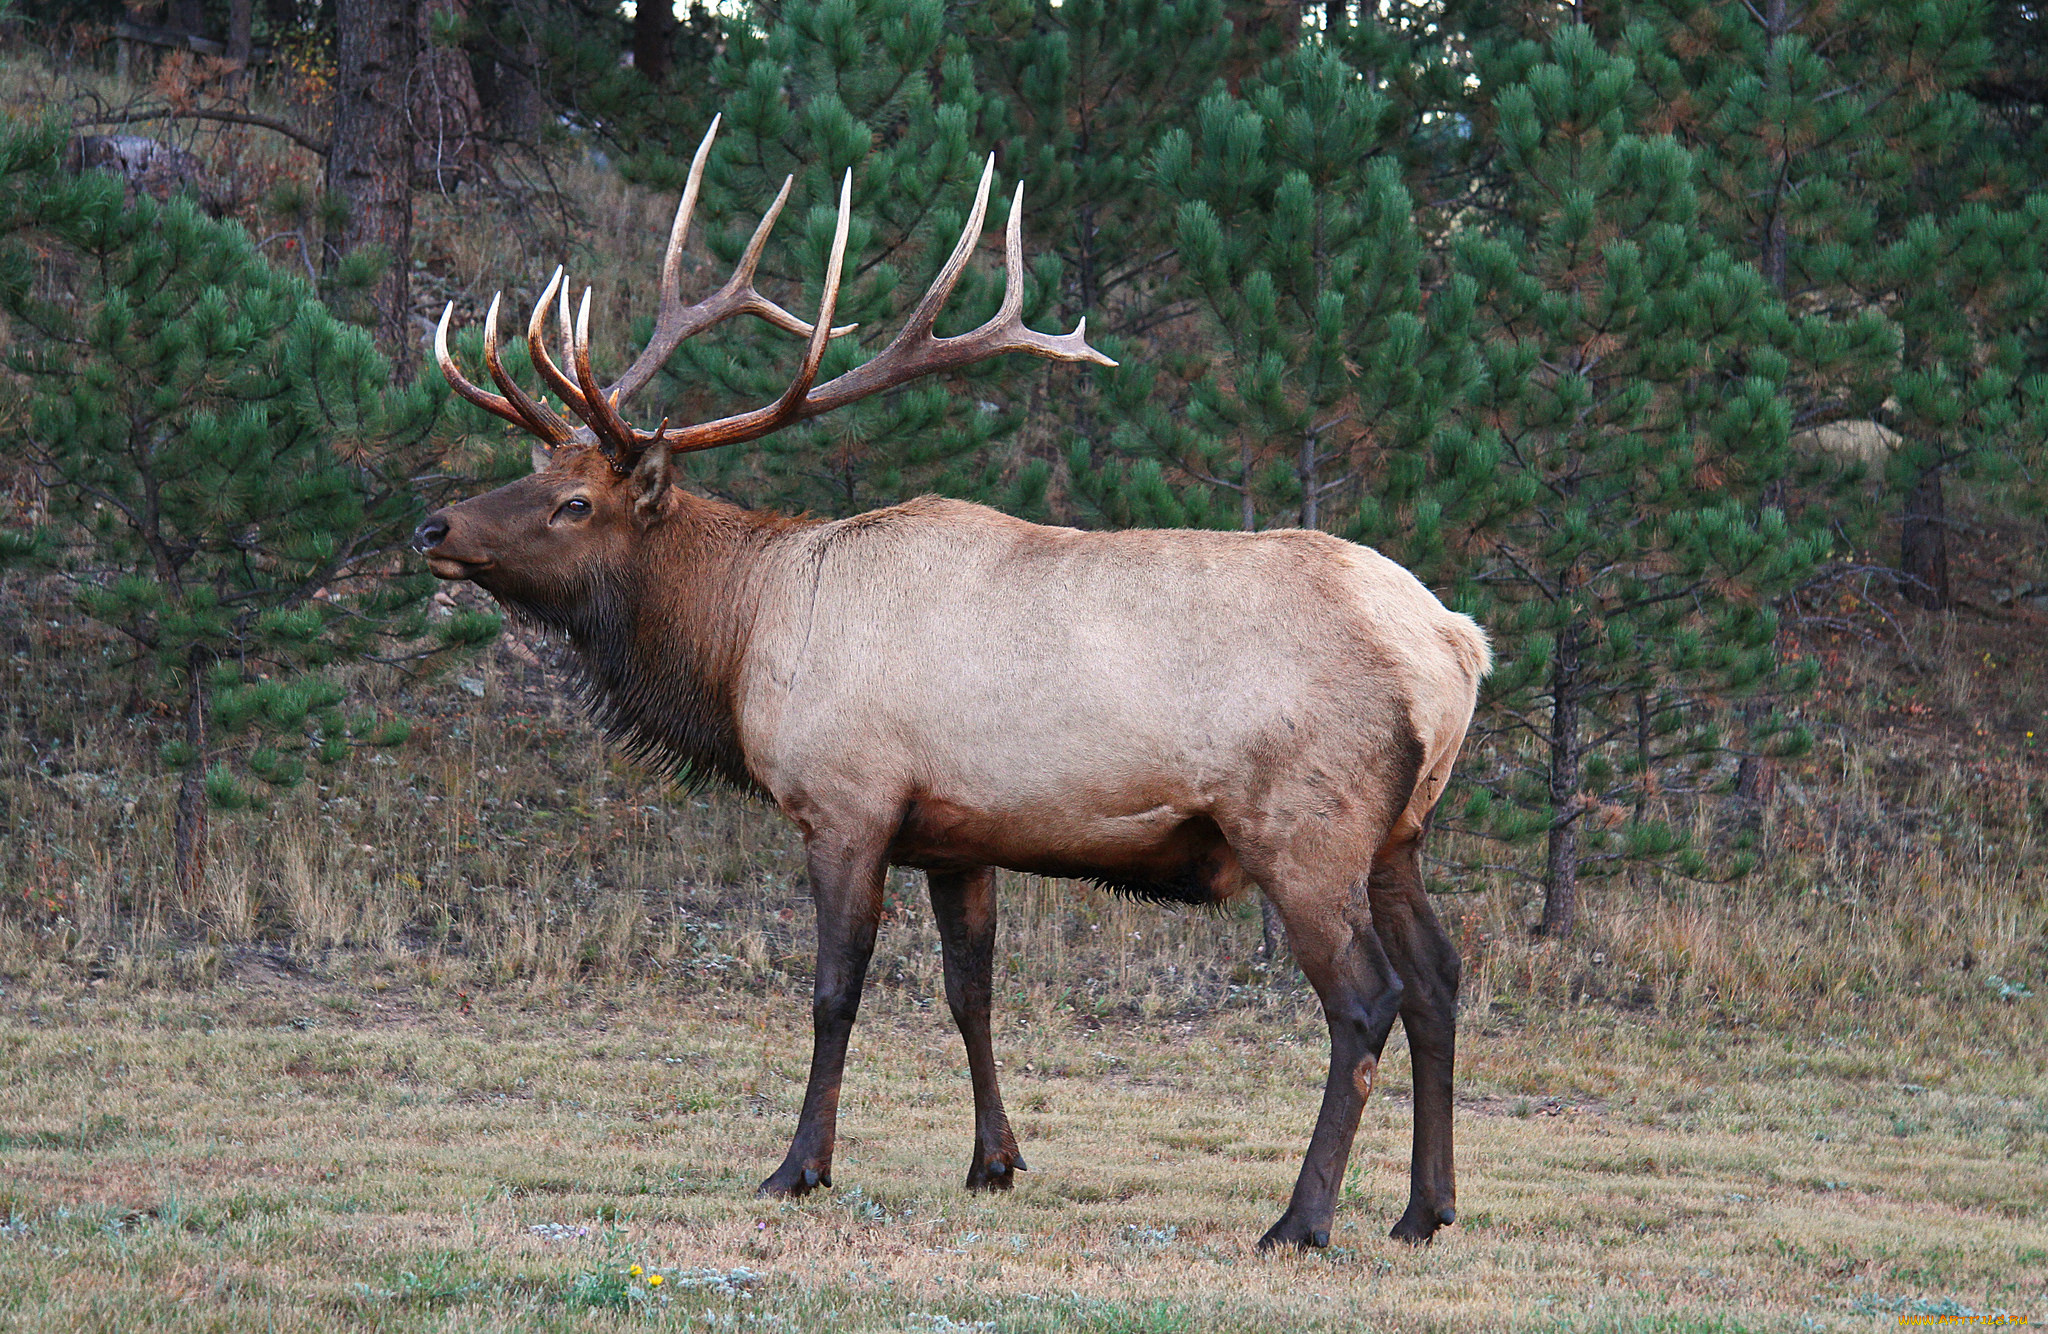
{"points": [[291, 1151]]}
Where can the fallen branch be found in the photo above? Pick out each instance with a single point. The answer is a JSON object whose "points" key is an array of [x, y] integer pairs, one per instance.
{"points": [[318, 147]]}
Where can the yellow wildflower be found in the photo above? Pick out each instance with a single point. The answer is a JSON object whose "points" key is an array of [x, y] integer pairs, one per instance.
{"points": [[634, 1271], [654, 1280]]}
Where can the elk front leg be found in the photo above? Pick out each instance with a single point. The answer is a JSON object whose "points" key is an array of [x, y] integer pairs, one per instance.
{"points": [[846, 881], [964, 903], [1425, 957], [1361, 994]]}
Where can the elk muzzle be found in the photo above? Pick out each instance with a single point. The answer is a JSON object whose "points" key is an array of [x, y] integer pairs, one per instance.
{"points": [[431, 539]]}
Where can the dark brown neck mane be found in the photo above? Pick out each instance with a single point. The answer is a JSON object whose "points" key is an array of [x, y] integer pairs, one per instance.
{"points": [[661, 641]]}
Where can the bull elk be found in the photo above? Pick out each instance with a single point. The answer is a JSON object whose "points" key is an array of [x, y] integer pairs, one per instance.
{"points": [[1174, 715]]}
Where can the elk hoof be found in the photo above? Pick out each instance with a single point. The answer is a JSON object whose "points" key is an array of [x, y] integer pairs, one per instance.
{"points": [[793, 1183], [1419, 1224], [1290, 1232], [998, 1171]]}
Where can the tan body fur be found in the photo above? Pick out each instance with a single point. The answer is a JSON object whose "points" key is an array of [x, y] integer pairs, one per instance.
{"points": [[1065, 702]]}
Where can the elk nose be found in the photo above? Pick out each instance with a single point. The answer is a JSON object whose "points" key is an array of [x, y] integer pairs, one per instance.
{"points": [[430, 534]]}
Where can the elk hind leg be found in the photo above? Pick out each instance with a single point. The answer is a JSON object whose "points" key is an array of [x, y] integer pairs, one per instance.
{"points": [[1426, 959], [964, 903], [1361, 994], [846, 881]]}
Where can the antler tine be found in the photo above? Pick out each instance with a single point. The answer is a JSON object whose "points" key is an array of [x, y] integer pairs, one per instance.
{"points": [[914, 352], [828, 301], [538, 417], [620, 442], [941, 290], [676, 322], [795, 399], [537, 345], [568, 329], [518, 409], [1006, 328], [460, 383], [672, 261], [750, 301]]}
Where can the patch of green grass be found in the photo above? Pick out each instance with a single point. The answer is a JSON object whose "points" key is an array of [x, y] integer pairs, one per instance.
{"points": [[91, 1132]]}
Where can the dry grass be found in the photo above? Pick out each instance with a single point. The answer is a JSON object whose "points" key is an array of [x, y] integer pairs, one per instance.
{"points": [[307, 1153]]}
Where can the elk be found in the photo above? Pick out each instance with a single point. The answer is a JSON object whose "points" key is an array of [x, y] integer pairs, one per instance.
{"points": [[1173, 715]]}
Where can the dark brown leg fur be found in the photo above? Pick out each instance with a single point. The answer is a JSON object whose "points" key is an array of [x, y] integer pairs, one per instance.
{"points": [[964, 903], [846, 881], [1361, 994], [1425, 958]]}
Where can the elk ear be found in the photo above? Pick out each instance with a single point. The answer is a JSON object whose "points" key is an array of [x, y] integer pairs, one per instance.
{"points": [[651, 477], [541, 457]]}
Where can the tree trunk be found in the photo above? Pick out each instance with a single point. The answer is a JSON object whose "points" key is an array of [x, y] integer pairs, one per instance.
{"points": [[188, 832], [446, 113], [1756, 776], [1311, 498], [1923, 544], [1248, 511], [654, 22], [1561, 866], [240, 44], [370, 165]]}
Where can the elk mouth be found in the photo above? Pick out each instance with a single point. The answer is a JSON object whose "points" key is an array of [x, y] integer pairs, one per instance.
{"points": [[449, 567]]}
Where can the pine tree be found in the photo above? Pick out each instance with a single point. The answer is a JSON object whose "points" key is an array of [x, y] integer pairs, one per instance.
{"points": [[1078, 97], [1296, 243], [1834, 138], [1969, 293], [1790, 159], [230, 475], [1594, 492]]}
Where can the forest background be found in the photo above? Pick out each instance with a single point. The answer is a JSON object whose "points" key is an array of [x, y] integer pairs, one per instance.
{"points": [[1696, 349]]}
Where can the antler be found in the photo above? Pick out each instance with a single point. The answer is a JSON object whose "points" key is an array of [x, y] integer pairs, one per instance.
{"points": [[514, 405], [675, 322], [912, 353]]}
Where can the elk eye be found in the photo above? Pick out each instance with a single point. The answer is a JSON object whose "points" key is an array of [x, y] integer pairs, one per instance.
{"points": [[577, 506]]}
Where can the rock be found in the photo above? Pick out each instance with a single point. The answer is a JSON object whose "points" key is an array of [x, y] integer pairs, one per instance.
{"points": [[1865, 442], [150, 166]]}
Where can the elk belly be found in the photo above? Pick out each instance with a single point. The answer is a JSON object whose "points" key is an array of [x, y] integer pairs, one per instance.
{"points": [[1162, 854]]}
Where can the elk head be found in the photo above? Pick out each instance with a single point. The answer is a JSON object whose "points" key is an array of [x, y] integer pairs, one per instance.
{"points": [[546, 541]]}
